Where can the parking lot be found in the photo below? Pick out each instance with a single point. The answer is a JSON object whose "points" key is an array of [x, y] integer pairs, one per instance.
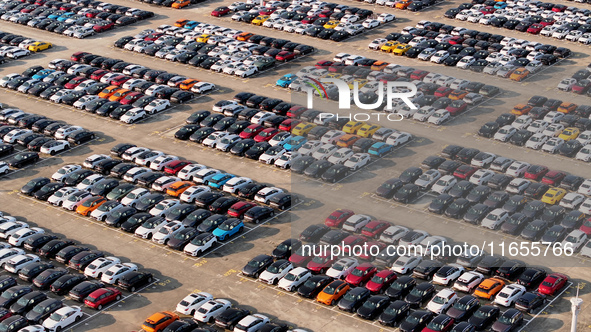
{"points": [[217, 271]]}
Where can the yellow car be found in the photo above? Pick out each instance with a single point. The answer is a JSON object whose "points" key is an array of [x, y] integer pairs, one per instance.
{"points": [[259, 20], [569, 133], [553, 195], [388, 47], [203, 38], [334, 75], [302, 129], [39, 46], [331, 24], [367, 130], [401, 49], [360, 83], [352, 126]]}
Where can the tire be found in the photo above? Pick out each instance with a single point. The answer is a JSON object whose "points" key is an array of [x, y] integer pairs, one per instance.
{"points": [[132, 289], [52, 153], [118, 297], [58, 329], [100, 307]]}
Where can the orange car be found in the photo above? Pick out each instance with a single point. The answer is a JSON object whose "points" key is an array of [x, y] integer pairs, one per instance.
{"points": [[177, 188], [333, 292], [521, 109], [403, 4], [519, 74], [180, 23], [347, 140], [244, 36], [188, 83], [180, 4], [457, 94], [90, 205], [108, 91], [159, 321], [120, 94], [489, 288], [567, 107], [379, 65]]}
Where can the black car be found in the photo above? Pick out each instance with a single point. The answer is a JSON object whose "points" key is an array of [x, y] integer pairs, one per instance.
{"points": [[440, 203], [83, 289], [77, 176], [42, 310], [515, 224], [30, 271], [484, 316], [313, 233], [534, 230], [478, 194], [121, 190], [410, 175], [119, 216], [181, 238], [230, 317], [536, 190], [14, 323], [12, 294], [258, 214], [416, 321], [135, 280], [103, 187], [27, 302], [458, 208], [400, 288], [257, 265], [477, 212], [81, 137], [451, 151], [407, 193], [373, 307], [389, 188], [65, 283], [44, 279], [426, 269], [489, 264], [23, 159], [463, 308], [394, 313], [51, 248], [530, 301], [420, 294], [532, 277], [553, 234], [314, 285], [35, 242], [572, 220], [34, 185]]}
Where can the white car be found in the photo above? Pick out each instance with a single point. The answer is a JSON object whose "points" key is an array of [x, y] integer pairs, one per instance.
{"points": [[310, 147], [132, 153], [159, 163], [19, 237], [67, 131], [340, 156], [18, 53], [553, 145], [16, 134], [357, 160], [64, 172], [370, 23], [495, 218], [427, 179], [204, 175], [275, 271], [574, 240], [200, 244], [522, 122], [245, 71], [554, 117], [17, 263], [203, 87], [7, 254], [161, 208], [211, 309], [62, 318], [585, 187], [572, 200], [424, 113], [75, 200], [191, 302], [189, 195], [54, 147], [149, 227], [157, 105], [442, 301], [82, 102], [517, 186], [393, 234], [99, 266], [566, 84], [116, 272], [214, 138], [162, 183], [585, 137], [93, 160], [60, 196], [439, 56], [187, 172], [481, 176], [536, 141], [505, 133], [509, 294], [468, 281], [584, 154], [398, 139], [89, 182], [517, 168], [133, 115], [133, 174], [377, 43], [444, 184], [405, 264], [167, 231], [538, 126], [294, 279], [448, 274], [432, 241], [341, 268], [332, 136], [265, 194], [356, 222], [134, 196], [439, 117], [251, 323], [235, 183]]}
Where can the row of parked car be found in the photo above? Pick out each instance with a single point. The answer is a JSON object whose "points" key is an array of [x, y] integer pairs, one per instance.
{"points": [[544, 124], [438, 98], [411, 5], [78, 19], [521, 199], [537, 18], [208, 312], [478, 51], [55, 273], [14, 46], [215, 48], [578, 83], [398, 296], [336, 22]]}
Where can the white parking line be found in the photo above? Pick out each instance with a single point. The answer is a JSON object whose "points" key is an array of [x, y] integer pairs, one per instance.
{"points": [[546, 306]]}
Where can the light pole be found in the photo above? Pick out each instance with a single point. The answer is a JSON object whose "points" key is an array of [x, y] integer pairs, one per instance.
{"points": [[576, 309]]}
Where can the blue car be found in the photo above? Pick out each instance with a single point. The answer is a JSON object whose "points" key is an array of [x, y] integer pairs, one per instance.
{"points": [[500, 5], [191, 25], [65, 16], [218, 180], [54, 16], [286, 80], [228, 228], [42, 74], [294, 143], [379, 149]]}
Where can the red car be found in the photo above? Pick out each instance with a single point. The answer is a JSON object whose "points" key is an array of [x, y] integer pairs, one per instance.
{"points": [[535, 28], [373, 244], [381, 281], [266, 135], [92, 13], [338, 218], [375, 228], [78, 55], [176, 166], [456, 40], [547, 21], [131, 98], [319, 264], [488, 10], [97, 75], [586, 227], [239, 209], [535, 172], [285, 56], [457, 107], [361, 274], [220, 11], [465, 171], [296, 111], [288, 124], [336, 67], [102, 297], [297, 259], [119, 80], [74, 82], [323, 64], [350, 241], [553, 178], [267, 11], [553, 283], [418, 75], [153, 36], [581, 87], [326, 13], [442, 91], [310, 19], [104, 26], [251, 131]]}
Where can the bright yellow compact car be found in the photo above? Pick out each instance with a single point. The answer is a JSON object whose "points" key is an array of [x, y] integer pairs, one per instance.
{"points": [[352, 126], [203, 38], [401, 49], [360, 83], [259, 20], [367, 130], [39, 46], [569, 133], [302, 129], [388, 47], [331, 24], [334, 75], [553, 195]]}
